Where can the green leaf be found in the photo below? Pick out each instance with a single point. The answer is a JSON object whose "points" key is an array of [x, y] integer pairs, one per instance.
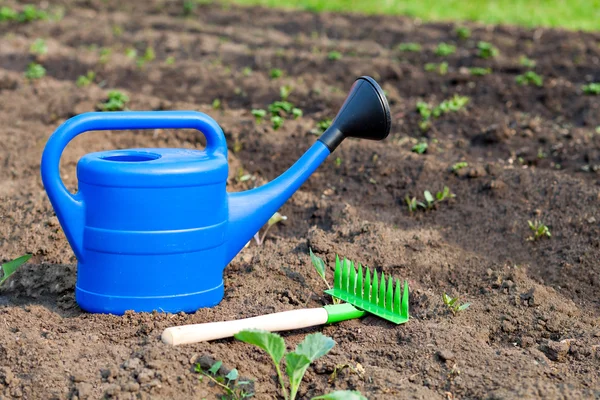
{"points": [[270, 342], [232, 375], [446, 298], [276, 218], [318, 263], [296, 365], [464, 306], [341, 395], [10, 267], [315, 345], [428, 196], [215, 367], [452, 301]]}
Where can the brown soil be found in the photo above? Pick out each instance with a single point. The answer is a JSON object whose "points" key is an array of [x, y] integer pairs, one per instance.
{"points": [[533, 153]]}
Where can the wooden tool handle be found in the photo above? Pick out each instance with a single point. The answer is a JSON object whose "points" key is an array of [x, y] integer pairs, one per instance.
{"points": [[282, 321]]}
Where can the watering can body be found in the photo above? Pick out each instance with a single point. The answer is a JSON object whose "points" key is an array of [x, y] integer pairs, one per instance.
{"points": [[153, 228]]}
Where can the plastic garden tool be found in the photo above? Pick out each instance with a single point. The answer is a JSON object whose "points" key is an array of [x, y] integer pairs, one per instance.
{"points": [[153, 228], [363, 294]]}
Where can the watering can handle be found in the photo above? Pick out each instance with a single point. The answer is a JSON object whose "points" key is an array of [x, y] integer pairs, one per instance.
{"points": [[70, 208]]}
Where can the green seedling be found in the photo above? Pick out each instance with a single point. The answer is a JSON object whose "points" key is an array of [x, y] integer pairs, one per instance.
{"points": [[38, 47], [148, 56], [116, 101], [341, 395], [259, 114], [445, 194], [31, 13], [539, 230], [453, 304], [527, 62], [410, 47], [459, 165], [413, 204], [319, 265], [429, 200], [276, 121], [284, 92], [170, 60], [247, 71], [229, 383], [456, 103], [445, 49], [296, 112], [8, 14], [189, 6], [130, 52], [334, 55], [528, 78], [442, 68], [477, 71], [11, 267], [338, 161], [35, 71], [277, 106], [487, 50], [420, 148], [216, 104], [591, 88], [313, 347], [105, 55], [463, 32], [86, 80], [275, 219], [322, 126], [275, 73]]}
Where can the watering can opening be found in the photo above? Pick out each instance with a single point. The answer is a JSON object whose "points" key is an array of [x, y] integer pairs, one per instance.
{"points": [[129, 156]]}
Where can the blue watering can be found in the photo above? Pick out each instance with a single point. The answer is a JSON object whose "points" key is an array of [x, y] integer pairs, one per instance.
{"points": [[153, 228]]}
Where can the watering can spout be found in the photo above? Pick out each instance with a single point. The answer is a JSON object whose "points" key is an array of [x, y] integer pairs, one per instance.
{"points": [[365, 114]]}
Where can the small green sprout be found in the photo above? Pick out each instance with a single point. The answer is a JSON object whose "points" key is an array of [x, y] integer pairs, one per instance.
{"points": [[284, 92], [539, 230], [322, 126], [130, 52], [105, 55], [296, 112], [529, 77], [189, 6], [277, 106], [413, 204], [247, 71], [275, 219], [459, 165], [527, 62], [445, 194], [233, 389], [319, 266], [11, 267], [148, 56], [35, 71], [216, 104], [334, 55], [442, 68], [477, 71], [429, 200], [420, 148], [591, 88], [463, 32], [453, 304], [275, 73], [31, 13], [487, 50], [8, 14], [170, 60], [445, 49], [86, 80], [116, 101], [410, 47], [277, 121], [313, 347], [38, 47], [259, 114], [338, 161]]}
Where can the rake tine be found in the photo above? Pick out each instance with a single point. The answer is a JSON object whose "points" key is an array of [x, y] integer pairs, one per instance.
{"points": [[367, 287], [381, 298], [389, 295]]}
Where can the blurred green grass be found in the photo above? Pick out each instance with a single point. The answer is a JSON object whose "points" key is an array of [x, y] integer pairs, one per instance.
{"points": [[569, 14]]}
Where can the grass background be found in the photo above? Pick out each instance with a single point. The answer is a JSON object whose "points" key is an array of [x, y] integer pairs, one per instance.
{"points": [[570, 14]]}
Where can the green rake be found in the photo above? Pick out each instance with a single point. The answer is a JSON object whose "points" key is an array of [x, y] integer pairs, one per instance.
{"points": [[362, 293]]}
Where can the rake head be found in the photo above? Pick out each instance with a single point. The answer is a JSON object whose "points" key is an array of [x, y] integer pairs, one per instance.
{"points": [[368, 293]]}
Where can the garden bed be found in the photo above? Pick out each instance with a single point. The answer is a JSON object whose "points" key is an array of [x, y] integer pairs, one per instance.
{"points": [[526, 153]]}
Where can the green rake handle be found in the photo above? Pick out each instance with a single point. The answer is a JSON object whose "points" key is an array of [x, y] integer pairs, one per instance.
{"points": [[281, 321]]}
